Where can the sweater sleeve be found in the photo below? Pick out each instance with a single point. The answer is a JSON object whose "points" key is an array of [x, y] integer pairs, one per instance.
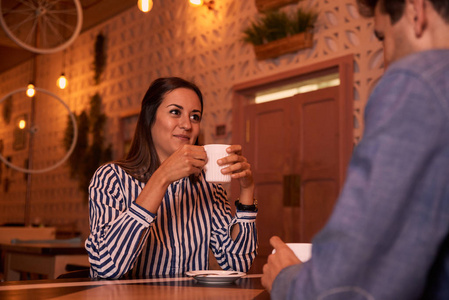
{"points": [[237, 254], [118, 226]]}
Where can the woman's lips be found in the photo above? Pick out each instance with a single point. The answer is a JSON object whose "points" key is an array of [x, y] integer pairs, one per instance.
{"points": [[183, 137]]}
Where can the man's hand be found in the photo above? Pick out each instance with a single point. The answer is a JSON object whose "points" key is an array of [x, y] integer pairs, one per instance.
{"points": [[282, 258]]}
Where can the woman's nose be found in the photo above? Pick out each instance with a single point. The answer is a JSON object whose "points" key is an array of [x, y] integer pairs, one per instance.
{"points": [[185, 123]]}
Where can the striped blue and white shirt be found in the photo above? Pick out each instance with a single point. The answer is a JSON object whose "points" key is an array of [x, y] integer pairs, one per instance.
{"points": [[125, 238]]}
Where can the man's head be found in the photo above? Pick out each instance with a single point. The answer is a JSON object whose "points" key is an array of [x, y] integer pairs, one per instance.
{"points": [[395, 8], [407, 26]]}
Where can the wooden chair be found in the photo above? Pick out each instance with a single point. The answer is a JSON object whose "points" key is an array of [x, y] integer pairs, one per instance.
{"points": [[81, 273]]}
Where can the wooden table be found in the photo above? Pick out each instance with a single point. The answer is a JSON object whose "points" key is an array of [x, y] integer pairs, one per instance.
{"points": [[247, 287], [48, 259], [8, 233]]}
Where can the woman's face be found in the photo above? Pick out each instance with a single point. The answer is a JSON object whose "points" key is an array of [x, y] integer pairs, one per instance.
{"points": [[177, 122]]}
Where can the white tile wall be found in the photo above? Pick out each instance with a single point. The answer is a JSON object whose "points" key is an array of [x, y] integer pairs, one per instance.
{"points": [[173, 39]]}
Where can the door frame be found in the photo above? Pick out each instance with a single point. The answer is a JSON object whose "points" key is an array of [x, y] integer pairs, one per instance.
{"points": [[244, 94]]}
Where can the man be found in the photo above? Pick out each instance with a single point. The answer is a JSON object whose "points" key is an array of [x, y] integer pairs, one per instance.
{"points": [[388, 237]]}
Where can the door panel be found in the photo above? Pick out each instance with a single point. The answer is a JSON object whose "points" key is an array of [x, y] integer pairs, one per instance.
{"points": [[317, 141], [269, 139], [294, 149], [269, 157], [316, 146], [316, 206]]}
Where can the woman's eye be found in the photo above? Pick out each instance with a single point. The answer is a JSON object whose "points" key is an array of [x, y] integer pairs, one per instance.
{"points": [[196, 118], [175, 112]]}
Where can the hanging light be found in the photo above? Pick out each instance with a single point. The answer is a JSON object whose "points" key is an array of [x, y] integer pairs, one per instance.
{"points": [[62, 81], [30, 90], [22, 124], [196, 2], [145, 5], [209, 4]]}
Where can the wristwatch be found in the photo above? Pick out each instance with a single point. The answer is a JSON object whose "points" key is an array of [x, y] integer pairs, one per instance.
{"points": [[243, 207]]}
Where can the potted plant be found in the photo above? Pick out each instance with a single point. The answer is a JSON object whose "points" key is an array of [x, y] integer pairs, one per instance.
{"points": [[277, 33]]}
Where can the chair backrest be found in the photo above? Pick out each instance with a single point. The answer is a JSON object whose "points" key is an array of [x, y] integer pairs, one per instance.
{"points": [[83, 273]]}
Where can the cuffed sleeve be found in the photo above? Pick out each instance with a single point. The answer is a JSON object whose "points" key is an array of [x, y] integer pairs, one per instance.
{"points": [[237, 254], [117, 232]]}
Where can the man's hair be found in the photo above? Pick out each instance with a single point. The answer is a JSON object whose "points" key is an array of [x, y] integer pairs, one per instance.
{"points": [[395, 8]]}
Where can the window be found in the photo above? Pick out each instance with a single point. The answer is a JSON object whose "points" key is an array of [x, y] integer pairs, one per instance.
{"points": [[300, 87]]}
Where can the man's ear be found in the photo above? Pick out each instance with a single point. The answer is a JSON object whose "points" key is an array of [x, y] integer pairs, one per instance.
{"points": [[418, 8]]}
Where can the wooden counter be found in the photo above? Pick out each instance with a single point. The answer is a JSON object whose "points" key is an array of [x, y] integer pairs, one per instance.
{"points": [[247, 287]]}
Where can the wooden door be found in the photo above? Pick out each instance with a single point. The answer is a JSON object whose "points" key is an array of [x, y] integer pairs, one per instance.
{"points": [[295, 148]]}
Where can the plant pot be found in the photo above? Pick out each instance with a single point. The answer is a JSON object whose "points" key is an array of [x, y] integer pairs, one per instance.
{"points": [[283, 46], [265, 5]]}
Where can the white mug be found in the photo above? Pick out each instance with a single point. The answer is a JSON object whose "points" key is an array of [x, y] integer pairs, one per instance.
{"points": [[212, 169], [303, 251]]}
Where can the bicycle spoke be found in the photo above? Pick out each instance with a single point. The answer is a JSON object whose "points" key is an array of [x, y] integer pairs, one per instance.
{"points": [[54, 30], [68, 11], [44, 31], [27, 3], [19, 11], [16, 26], [57, 20], [31, 34]]}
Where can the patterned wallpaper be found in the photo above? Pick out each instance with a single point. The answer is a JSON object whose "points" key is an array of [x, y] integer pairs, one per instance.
{"points": [[174, 39]]}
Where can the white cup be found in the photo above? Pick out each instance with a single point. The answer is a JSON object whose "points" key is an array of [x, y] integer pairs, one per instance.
{"points": [[212, 169], [303, 251]]}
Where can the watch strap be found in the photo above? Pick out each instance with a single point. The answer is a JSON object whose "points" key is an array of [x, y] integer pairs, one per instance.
{"points": [[244, 207]]}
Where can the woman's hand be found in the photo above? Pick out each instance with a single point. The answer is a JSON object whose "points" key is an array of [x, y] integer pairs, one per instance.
{"points": [[239, 168], [187, 160]]}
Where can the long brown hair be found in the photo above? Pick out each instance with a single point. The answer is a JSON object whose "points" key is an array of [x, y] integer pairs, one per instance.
{"points": [[142, 159]]}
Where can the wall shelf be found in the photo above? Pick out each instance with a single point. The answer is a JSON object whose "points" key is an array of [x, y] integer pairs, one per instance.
{"points": [[283, 46], [266, 5]]}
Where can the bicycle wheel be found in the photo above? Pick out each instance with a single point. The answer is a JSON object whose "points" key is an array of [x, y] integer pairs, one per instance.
{"points": [[41, 26], [72, 146]]}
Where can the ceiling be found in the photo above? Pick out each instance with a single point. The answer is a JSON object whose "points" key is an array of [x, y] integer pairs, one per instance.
{"points": [[94, 13]]}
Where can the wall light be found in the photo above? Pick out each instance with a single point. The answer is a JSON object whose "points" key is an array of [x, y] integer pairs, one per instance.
{"points": [[22, 124], [62, 81], [30, 90], [20, 134], [209, 4], [145, 5]]}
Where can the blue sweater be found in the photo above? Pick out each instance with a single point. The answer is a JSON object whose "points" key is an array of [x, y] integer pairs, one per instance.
{"points": [[388, 235]]}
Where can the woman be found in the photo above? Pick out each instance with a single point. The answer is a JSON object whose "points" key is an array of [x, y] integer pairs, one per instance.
{"points": [[153, 213]]}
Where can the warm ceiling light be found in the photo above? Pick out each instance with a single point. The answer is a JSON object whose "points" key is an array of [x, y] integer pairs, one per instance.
{"points": [[30, 90], [22, 124], [209, 4], [196, 2], [62, 81], [145, 5]]}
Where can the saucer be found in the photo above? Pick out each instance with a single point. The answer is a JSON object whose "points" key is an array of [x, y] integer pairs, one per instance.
{"points": [[215, 276]]}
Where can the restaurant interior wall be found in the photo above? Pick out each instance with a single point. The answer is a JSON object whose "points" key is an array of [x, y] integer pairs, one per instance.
{"points": [[174, 39]]}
